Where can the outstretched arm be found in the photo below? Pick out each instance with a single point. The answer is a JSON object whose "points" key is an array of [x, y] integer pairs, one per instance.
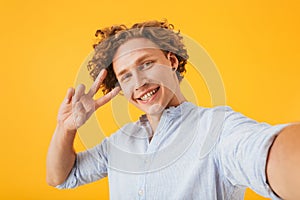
{"points": [[283, 166]]}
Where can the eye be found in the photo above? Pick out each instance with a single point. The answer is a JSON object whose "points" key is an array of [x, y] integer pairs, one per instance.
{"points": [[125, 77], [146, 65]]}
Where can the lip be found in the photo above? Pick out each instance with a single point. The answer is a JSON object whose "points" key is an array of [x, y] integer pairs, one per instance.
{"points": [[149, 100]]}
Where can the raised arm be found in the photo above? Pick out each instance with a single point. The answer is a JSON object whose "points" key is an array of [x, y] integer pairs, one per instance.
{"points": [[283, 166], [74, 111]]}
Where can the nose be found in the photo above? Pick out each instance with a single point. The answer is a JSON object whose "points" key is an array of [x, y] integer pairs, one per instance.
{"points": [[139, 79]]}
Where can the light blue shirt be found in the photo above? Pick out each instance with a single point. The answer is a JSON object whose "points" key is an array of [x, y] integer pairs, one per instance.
{"points": [[195, 153]]}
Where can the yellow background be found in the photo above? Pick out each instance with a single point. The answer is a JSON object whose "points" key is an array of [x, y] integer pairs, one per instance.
{"points": [[255, 45]]}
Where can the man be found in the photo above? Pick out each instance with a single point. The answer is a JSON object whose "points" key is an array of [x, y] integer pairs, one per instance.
{"points": [[176, 150]]}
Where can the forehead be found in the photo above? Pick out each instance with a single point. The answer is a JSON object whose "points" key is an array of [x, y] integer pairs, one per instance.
{"points": [[135, 44], [131, 50]]}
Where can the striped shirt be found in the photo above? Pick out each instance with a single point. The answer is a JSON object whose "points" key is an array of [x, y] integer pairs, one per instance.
{"points": [[195, 153]]}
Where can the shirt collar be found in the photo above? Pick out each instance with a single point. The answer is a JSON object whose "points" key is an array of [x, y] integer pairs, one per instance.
{"points": [[171, 112]]}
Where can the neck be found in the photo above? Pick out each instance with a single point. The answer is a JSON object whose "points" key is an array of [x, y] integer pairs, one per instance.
{"points": [[155, 118]]}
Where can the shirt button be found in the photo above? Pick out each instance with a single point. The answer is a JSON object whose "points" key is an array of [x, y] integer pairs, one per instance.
{"points": [[141, 192]]}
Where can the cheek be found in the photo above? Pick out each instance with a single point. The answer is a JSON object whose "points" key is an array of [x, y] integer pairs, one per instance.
{"points": [[164, 76], [158, 74], [127, 89]]}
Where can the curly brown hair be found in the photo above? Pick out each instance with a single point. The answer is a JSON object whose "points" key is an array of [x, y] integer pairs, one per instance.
{"points": [[111, 38]]}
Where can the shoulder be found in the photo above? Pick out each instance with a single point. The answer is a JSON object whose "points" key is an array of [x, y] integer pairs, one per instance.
{"points": [[211, 116], [207, 111]]}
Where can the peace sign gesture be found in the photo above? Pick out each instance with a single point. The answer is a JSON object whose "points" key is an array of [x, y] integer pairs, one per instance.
{"points": [[78, 106]]}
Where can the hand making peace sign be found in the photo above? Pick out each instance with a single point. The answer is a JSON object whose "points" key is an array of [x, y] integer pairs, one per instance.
{"points": [[78, 106]]}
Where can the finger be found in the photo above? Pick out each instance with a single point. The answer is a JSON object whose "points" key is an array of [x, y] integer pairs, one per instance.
{"points": [[97, 83], [78, 93], [79, 108], [79, 114], [106, 98], [70, 93]]}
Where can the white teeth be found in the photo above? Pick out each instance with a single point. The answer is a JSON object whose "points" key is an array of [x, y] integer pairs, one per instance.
{"points": [[148, 95]]}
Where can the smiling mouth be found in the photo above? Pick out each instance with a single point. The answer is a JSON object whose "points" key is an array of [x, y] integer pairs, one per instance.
{"points": [[148, 95]]}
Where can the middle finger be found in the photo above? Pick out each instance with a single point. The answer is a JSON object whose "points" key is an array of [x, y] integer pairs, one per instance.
{"points": [[78, 93]]}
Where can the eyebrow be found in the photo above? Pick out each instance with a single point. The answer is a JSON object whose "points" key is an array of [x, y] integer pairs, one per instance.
{"points": [[138, 61]]}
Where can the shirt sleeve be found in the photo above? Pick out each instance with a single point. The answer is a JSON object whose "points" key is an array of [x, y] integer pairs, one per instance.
{"points": [[243, 150], [90, 166]]}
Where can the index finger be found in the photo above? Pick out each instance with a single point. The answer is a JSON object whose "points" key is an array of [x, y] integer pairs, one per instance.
{"points": [[96, 85], [106, 98]]}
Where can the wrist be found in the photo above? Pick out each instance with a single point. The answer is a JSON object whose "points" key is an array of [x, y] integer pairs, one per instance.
{"points": [[66, 131]]}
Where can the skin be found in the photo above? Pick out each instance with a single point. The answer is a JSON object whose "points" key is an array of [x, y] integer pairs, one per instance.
{"points": [[147, 68], [141, 67], [283, 166], [78, 106], [74, 111]]}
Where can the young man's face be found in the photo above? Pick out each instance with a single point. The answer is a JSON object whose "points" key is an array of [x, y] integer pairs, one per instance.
{"points": [[146, 75]]}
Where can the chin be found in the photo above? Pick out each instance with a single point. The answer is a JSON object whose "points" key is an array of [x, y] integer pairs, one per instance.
{"points": [[155, 109]]}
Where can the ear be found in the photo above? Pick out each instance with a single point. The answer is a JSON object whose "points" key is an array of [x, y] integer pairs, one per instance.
{"points": [[173, 59]]}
